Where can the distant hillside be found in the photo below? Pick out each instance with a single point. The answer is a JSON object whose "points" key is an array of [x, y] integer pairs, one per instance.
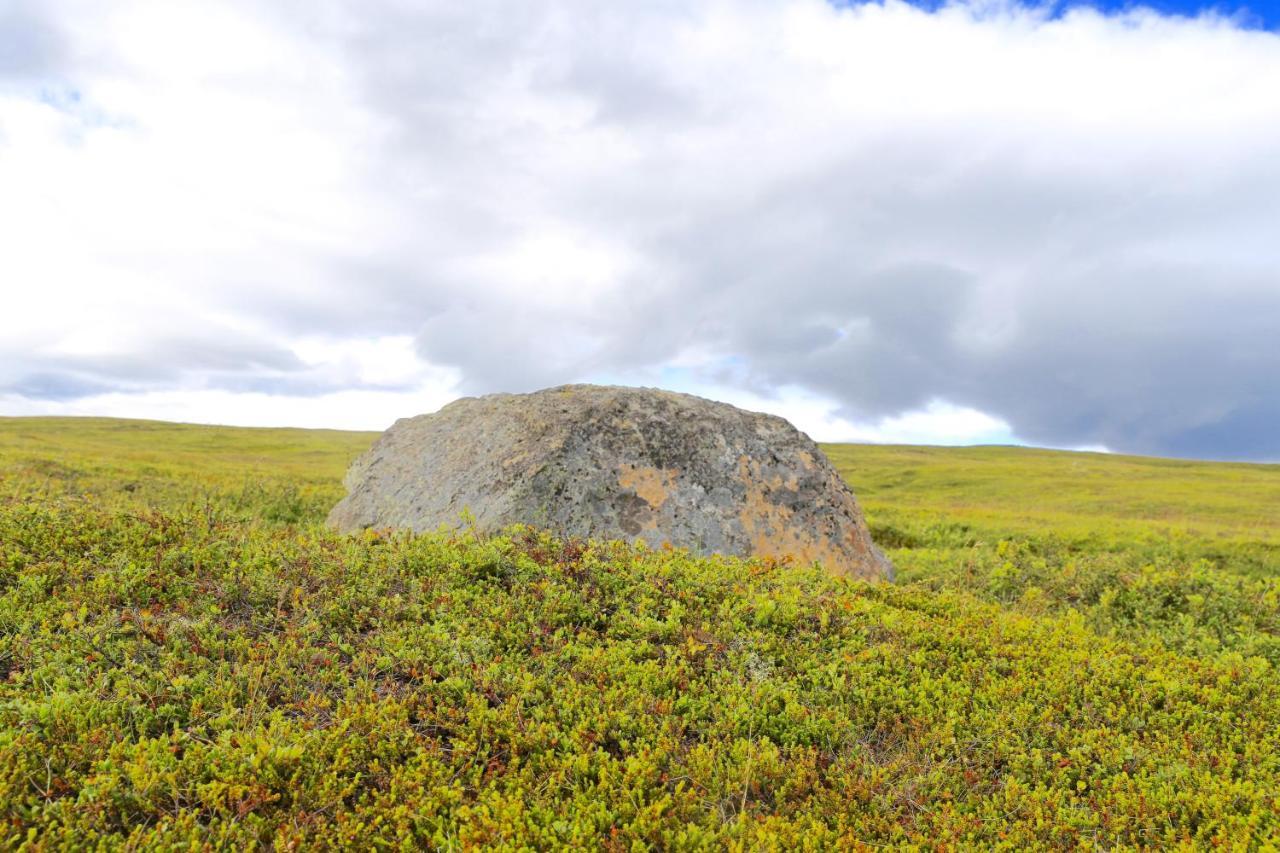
{"points": [[1018, 488]]}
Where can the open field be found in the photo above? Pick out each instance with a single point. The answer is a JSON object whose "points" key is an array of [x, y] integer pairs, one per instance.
{"points": [[1081, 650], [292, 472], [1083, 496]]}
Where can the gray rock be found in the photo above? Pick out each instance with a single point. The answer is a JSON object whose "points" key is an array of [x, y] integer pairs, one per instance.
{"points": [[615, 463]]}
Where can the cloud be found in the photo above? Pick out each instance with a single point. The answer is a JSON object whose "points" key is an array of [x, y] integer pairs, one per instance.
{"points": [[28, 46], [1064, 225]]}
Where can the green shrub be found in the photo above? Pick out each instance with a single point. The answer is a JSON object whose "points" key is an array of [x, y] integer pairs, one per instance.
{"points": [[196, 662]]}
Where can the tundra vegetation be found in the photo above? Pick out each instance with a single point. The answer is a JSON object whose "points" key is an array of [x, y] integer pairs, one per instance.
{"points": [[1081, 650]]}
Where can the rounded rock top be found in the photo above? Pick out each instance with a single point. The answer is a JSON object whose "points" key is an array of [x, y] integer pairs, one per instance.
{"points": [[605, 462]]}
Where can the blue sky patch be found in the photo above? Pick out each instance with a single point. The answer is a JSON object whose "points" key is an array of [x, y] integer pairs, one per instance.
{"points": [[1256, 14]]}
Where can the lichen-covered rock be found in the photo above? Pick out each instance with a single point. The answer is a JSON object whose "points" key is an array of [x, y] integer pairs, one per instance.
{"points": [[615, 463]]}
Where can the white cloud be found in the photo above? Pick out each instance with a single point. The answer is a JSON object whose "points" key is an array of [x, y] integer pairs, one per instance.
{"points": [[938, 422], [353, 410], [1064, 227]]}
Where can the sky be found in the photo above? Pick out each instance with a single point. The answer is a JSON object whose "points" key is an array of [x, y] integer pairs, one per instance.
{"points": [[976, 222]]}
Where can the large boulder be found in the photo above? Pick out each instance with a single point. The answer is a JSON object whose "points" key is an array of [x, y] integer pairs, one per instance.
{"points": [[615, 463]]}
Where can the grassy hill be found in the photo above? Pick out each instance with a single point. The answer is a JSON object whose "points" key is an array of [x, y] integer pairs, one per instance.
{"points": [[1081, 650]]}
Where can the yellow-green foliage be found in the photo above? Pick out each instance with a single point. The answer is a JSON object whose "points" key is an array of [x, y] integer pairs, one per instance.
{"points": [[1183, 553], [1091, 500], [188, 657], [287, 475]]}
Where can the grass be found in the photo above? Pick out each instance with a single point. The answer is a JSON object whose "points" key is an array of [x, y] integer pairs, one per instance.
{"points": [[1024, 491], [1082, 650], [278, 474]]}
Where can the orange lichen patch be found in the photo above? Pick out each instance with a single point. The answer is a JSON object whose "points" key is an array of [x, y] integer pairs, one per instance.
{"points": [[652, 485], [791, 482], [772, 533]]}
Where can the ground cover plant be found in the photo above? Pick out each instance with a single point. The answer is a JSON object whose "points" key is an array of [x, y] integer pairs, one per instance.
{"points": [[1081, 651]]}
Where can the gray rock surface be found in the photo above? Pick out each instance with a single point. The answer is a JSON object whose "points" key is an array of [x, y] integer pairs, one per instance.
{"points": [[615, 463]]}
